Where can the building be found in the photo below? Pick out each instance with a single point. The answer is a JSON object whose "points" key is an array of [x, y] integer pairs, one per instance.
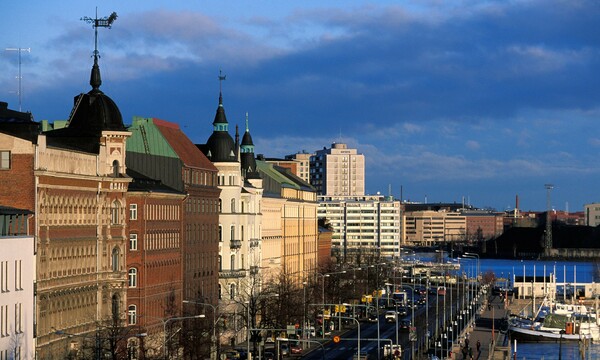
{"points": [[592, 214], [240, 219], [338, 171], [431, 227], [185, 230], [17, 277], [362, 226], [81, 231], [154, 259], [303, 168], [289, 222], [482, 225]]}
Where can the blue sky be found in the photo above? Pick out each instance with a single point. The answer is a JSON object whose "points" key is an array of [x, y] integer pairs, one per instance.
{"points": [[481, 100]]}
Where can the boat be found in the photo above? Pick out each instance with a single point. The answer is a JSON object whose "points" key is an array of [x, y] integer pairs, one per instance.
{"points": [[558, 323]]}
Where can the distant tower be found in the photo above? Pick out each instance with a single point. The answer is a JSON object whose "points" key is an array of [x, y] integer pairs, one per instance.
{"points": [[548, 244]]}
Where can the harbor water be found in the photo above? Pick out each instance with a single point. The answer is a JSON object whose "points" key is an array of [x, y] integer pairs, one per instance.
{"points": [[569, 272]]}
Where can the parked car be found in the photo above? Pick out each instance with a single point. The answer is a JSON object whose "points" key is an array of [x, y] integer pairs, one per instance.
{"points": [[373, 317], [232, 355]]}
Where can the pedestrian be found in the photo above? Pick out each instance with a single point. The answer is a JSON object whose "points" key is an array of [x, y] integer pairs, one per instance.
{"points": [[489, 306], [470, 353], [465, 352], [478, 347]]}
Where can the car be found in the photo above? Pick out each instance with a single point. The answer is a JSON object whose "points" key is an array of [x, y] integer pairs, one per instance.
{"points": [[242, 352], [422, 301], [373, 317], [402, 311], [268, 355], [404, 325], [296, 348], [390, 316], [284, 349], [232, 355]]}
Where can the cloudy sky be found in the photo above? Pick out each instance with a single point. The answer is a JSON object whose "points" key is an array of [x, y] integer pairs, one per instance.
{"points": [[447, 100]]}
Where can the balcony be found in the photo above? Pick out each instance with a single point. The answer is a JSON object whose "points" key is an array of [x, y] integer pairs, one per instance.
{"points": [[232, 274], [235, 244], [254, 243]]}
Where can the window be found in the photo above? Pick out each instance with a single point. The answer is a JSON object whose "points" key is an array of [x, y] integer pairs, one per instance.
{"points": [[220, 233], [132, 277], [232, 291], [133, 243], [132, 315], [132, 211], [115, 259], [219, 289], [232, 262], [4, 160], [116, 168], [18, 319], [18, 270], [114, 213], [220, 263], [232, 205], [232, 232]]}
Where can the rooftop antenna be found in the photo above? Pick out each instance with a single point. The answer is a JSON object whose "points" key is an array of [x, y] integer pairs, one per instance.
{"points": [[19, 92], [96, 23], [548, 244]]}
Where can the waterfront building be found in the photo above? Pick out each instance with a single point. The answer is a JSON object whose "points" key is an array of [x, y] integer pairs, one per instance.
{"points": [[362, 225], [592, 214], [17, 277], [431, 227], [482, 225], [302, 159], [240, 219], [289, 222], [338, 171]]}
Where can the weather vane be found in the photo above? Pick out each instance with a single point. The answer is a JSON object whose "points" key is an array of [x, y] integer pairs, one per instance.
{"points": [[221, 79], [96, 23]]}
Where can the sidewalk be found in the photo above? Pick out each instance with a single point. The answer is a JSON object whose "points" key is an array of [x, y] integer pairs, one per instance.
{"points": [[486, 330]]}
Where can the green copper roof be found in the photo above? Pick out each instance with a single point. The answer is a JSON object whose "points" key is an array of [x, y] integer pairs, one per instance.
{"points": [[147, 139], [268, 170]]}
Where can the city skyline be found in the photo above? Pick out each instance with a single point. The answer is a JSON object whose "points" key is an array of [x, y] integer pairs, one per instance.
{"points": [[462, 100]]}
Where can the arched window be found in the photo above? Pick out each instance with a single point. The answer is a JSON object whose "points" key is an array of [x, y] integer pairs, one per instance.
{"points": [[220, 263], [242, 232], [232, 262], [116, 168], [220, 232], [132, 276], [220, 205], [232, 291], [114, 212], [232, 205], [115, 258], [219, 289], [232, 232], [132, 314]]}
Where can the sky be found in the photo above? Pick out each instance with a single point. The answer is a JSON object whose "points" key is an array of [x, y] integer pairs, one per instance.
{"points": [[450, 101]]}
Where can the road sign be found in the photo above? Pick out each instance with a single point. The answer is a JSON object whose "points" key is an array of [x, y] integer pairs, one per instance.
{"points": [[412, 335], [336, 339]]}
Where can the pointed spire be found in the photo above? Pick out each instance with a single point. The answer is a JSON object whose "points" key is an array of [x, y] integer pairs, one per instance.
{"points": [[95, 79]]}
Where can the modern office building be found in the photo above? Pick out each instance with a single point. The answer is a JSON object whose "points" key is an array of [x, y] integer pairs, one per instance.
{"points": [[338, 171], [362, 225], [430, 227]]}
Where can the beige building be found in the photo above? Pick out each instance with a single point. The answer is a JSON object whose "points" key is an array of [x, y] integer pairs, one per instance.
{"points": [[290, 231], [303, 168], [430, 227], [338, 171], [592, 214]]}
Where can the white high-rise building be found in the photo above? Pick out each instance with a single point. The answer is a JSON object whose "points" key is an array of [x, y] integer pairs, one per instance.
{"points": [[338, 171], [362, 225]]}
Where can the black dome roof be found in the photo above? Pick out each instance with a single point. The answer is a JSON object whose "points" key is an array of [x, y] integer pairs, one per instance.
{"points": [[95, 111], [247, 139], [220, 146]]}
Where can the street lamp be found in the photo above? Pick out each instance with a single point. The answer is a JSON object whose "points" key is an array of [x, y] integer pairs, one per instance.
{"points": [[214, 309], [165, 322], [98, 354], [412, 320], [358, 326], [323, 276]]}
